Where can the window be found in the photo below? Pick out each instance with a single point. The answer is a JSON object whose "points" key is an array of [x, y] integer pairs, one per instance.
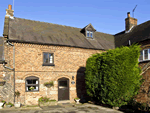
{"points": [[48, 59], [32, 84], [89, 33], [144, 55]]}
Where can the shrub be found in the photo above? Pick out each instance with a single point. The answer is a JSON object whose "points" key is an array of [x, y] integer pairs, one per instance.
{"points": [[9, 103], [114, 77], [44, 99], [51, 83], [3, 101], [17, 93]]}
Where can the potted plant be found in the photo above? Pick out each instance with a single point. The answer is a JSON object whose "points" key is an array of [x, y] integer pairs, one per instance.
{"points": [[8, 105], [2, 104], [31, 88], [17, 93], [49, 84], [2, 82], [77, 99]]}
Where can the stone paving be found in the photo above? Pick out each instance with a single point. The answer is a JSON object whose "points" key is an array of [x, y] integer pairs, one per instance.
{"points": [[70, 108]]}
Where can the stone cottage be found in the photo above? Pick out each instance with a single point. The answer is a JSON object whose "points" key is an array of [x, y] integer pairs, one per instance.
{"points": [[34, 52]]}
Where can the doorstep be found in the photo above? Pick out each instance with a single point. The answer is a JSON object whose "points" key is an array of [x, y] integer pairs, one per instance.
{"points": [[63, 101]]}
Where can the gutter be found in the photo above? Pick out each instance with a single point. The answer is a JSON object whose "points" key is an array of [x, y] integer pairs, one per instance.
{"points": [[13, 65]]}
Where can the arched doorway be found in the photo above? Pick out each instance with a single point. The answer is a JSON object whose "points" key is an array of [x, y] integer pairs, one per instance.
{"points": [[63, 89]]}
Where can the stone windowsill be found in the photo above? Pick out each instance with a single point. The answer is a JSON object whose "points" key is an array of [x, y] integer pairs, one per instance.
{"points": [[48, 65]]}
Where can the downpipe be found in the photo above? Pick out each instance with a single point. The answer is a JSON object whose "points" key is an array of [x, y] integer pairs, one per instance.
{"points": [[13, 66]]}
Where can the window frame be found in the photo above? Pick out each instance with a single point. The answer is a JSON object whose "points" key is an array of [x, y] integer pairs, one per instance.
{"points": [[48, 64], [32, 78], [90, 32], [143, 52]]}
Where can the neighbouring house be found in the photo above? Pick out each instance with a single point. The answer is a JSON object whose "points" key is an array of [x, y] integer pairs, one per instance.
{"points": [[34, 52]]}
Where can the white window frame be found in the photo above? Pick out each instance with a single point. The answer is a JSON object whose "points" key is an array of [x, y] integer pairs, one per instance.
{"points": [[144, 55], [90, 32]]}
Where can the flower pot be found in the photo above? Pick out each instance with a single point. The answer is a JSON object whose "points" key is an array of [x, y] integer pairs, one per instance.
{"points": [[48, 85], [17, 105], [2, 83], [8, 106], [77, 101], [1, 105]]}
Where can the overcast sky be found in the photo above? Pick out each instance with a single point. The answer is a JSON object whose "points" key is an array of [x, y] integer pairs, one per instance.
{"points": [[107, 16]]}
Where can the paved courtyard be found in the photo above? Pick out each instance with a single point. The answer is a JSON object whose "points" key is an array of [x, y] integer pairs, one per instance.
{"points": [[85, 108]]}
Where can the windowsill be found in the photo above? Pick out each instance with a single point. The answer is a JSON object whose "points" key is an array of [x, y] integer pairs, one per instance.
{"points": [[143, 61], [90, 38], [32, 91], [48, 65]]}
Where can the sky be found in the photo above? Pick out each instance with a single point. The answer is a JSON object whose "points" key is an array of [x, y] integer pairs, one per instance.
{"points": [[107, 16]]}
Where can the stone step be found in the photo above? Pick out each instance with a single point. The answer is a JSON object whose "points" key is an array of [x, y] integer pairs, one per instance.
{"points": [[64, 101]]}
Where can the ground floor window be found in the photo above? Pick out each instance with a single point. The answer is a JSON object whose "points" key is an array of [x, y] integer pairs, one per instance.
{"points": [[32, 84]]}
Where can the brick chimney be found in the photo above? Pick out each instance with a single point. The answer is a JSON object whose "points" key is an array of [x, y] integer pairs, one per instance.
{"points": [[129, 22], [10, 12]]}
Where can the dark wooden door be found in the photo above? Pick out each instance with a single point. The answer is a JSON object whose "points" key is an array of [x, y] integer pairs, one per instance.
{"points": [[63, 89]]}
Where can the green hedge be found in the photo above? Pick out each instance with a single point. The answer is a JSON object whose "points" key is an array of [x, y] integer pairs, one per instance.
{"points": [[113, 77]]}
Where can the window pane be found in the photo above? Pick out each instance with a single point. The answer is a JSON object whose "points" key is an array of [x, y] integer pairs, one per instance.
{"points": [[88, 33], [45, 57], [91, 35], [63, 83], [29, 81], [34, 81], [36, 88], [51, 61], [51, 58], [146, 54], [27, 88], [141, 55]]}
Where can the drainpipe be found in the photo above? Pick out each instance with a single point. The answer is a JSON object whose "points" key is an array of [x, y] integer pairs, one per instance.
{"points": [[13, 66]]}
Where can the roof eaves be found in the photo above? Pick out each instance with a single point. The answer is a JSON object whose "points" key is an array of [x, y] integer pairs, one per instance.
{"points": [[40, 43]]}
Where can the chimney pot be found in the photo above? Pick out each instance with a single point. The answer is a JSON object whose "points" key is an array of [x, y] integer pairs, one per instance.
{"points": [[10, 12], [10, 7], [128, 14]]}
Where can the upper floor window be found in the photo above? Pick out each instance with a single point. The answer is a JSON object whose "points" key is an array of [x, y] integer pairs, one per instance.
{"points": [[32, 84], [144, 55], [89, 33], [48, 59]]}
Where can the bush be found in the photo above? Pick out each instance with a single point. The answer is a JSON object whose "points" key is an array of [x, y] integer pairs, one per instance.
{"points": [[113, 77], [44, 99], [9, 103], [3, 101]]}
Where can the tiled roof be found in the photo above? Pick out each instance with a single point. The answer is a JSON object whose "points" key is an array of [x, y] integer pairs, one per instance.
{"points": [[138, 33], [24, 30]]}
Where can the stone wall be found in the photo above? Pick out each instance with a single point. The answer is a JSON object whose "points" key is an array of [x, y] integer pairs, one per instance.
{"points": [[143, 97], [69, 61]]}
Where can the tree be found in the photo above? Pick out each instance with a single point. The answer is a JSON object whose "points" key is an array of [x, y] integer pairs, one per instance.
{"points": [[113, 77]]}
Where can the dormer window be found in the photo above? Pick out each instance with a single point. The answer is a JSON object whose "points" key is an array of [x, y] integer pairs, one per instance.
{"points": [[89, 33]]}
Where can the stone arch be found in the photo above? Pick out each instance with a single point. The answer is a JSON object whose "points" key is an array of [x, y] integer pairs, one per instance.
{"points": [[27, 75], [64, 76]]}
